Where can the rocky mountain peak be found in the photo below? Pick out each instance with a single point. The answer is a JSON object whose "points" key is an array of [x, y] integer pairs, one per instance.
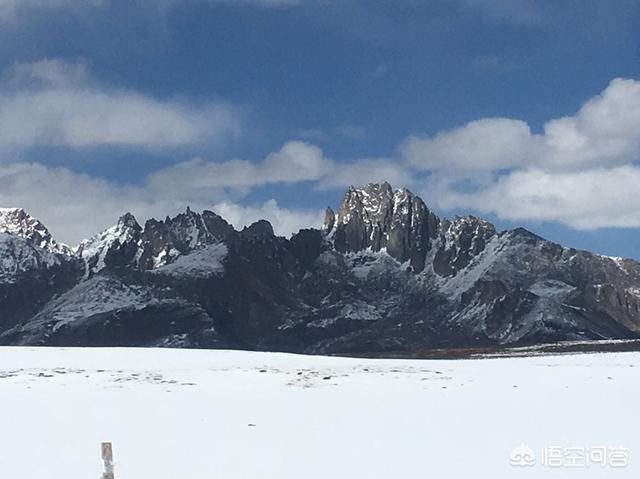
{"points": [[163, 241], [116, 245], [259, 230], [129, 221], [18, 222], [376, 217], [158, 243], [371, 202]]}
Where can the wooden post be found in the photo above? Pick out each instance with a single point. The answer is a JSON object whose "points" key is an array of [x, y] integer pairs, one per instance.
{"points": [[107, 458]]}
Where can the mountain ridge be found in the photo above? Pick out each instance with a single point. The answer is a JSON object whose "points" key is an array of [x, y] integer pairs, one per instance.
{"points": [[383, 273]]}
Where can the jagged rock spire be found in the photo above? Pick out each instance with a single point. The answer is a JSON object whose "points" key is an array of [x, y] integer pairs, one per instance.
{"points": [[378, 217], [129, 221], [329, 221]]}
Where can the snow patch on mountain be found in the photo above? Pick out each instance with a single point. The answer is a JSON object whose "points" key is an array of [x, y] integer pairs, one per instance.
{"points": [[454, 286], [201, 263], [368, 262], [551, 289], [99, 294]]}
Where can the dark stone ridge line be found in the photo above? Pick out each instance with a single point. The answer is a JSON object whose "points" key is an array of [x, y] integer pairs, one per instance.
{"points": [[383, 275]]}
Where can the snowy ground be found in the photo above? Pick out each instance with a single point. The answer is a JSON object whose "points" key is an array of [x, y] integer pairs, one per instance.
{"points": [[181, 414]]}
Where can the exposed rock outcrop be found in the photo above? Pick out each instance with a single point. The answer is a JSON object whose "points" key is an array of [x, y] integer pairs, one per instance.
{"points": [[378, 218]]}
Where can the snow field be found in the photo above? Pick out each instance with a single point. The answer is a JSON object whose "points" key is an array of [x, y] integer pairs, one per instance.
{"points": [[227, 414]]}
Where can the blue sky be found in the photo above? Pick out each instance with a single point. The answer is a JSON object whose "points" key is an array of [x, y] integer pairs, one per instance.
{"points": [[526, 113]]}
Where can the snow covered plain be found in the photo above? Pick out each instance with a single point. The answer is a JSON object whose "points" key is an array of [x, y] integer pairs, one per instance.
{"points": [[223, 414]]}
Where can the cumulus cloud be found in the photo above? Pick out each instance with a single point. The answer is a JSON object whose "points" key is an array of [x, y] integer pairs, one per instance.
{"points": [[602, 197], [580, 171], [296, 161], [486, 144], [52, 102], [605, 131]]}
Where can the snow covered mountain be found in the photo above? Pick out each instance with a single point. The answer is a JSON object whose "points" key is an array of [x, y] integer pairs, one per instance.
{"points": [[384, 273], [16, 221], [127, 244]]}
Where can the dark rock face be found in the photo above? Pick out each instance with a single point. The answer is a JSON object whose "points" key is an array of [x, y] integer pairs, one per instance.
{"points": [[307, 245], [376, 217], [383, 274], [30, 276], [259, 230], [462, 240], [163, 241]]}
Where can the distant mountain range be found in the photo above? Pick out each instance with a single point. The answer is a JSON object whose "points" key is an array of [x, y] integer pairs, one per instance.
{"points": [[383, 274]]}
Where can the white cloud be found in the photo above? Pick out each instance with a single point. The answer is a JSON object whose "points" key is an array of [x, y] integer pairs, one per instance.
{"points": [[486, 144], [581, 170], [55, 103], [605, 131], [296, 161], [603, 197]]}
